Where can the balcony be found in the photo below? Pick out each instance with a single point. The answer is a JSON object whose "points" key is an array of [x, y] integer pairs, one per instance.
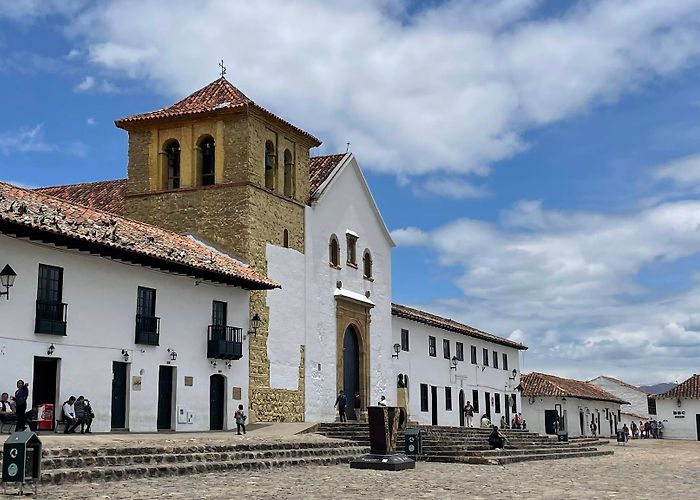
{"points": [[147, 329], [224, 342], [50, 317]]}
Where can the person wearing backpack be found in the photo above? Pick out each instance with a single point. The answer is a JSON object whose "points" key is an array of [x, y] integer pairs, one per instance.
{"points": [[240, 419]]}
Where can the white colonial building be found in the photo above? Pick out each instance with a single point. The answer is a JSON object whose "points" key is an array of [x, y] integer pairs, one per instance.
{"points": [[448, 364], [149, 325], [638, 408], [552, 404], [679, 410]]}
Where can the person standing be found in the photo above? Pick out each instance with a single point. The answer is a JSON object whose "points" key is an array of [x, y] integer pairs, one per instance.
{"points": [[594, 429], [21, 396], [240, 420], [468, 414], [358, 406], [341, 402]]}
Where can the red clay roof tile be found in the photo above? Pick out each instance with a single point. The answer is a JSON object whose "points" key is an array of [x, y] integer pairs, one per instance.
{"points": [[541, 384], [689, 389], [219, 95], [102, 195], [447, 324], [320, 167], [54, 217]]}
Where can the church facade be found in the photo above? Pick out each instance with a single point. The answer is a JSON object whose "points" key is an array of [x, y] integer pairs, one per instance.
{"points": [[224, 170]]}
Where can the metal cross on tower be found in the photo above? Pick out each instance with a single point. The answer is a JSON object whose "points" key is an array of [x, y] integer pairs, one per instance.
{"points": [[223, 68]]}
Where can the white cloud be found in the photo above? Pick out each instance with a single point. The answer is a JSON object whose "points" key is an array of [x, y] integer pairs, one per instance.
{"points": [[86, 84], [450, 89], [90, 83], [78, 149], [91, 121], [24, 140], [684, 172], [567, 282], [453, 188]]}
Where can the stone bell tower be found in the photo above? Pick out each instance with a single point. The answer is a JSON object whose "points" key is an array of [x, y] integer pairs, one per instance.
{"points": [[221, 167]]}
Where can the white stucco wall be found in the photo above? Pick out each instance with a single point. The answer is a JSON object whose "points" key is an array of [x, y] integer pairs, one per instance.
{"points": [[344, 206], [636, 397], [287, 307], [435, 371], [533, 412], [679, 421], [101, 296]]}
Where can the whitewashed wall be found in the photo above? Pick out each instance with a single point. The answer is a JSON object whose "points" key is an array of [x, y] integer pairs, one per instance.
{"points": [[435, 371], [101, 297], [345, 205], [287, 308], [533, 412], [679, 425], [636, 397]]}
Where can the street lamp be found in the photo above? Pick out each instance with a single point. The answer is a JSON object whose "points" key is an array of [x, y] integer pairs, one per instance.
{"points": [[50, 350], [7, 279], [254, 324], [125, 353], [514, 374], [454, 363], [397, 349], [173, 354]]}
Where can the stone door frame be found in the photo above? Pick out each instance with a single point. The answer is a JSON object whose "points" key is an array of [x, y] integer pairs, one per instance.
{"points": [[353, 313]]}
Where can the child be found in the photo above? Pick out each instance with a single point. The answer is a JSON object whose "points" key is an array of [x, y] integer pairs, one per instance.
{"points": [[240, 419]]}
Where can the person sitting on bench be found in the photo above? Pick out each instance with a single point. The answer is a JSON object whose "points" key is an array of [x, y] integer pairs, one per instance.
{"points": [[69, 416], [7, 410]]}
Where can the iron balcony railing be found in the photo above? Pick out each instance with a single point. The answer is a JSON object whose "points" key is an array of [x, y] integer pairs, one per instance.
{"points": [[147, 329], [50, 317], [224, 342]]}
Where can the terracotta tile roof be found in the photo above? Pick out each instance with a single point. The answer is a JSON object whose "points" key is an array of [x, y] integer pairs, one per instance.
{"points": [[102, 195], [541, 384], [34, 214], [690, 389], [320, 167], [427, 318], [219, 95]]}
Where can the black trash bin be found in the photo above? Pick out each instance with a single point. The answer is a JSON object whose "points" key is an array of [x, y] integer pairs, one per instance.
{"points": [[413, 442], [21, 459], [563, 436]]}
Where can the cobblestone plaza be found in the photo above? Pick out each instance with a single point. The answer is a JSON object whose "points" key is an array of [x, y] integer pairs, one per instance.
{"points": [[643, 469]]}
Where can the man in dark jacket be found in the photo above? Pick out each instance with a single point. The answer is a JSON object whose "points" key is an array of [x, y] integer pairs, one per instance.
{"points": [[341, 402]]}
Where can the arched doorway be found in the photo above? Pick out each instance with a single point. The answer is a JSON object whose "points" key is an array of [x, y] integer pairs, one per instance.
{"points": [[217, 391], [351, 368], [461, 407]]}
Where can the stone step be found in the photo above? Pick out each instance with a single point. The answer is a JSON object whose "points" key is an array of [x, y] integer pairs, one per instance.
{"points": [[509, 459], [93, 474], [180, 458], [507, 452]]}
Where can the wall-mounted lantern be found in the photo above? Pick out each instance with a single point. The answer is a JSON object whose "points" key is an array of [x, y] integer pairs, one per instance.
{"points": [[454, 363], [397, 349], [513, 374], [50, 350], [7, 279], [125, 353], [173, 354], [254, 324], [212, 362]]}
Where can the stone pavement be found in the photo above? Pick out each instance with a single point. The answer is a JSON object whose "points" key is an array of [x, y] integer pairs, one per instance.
{"points": [[650, 469]]}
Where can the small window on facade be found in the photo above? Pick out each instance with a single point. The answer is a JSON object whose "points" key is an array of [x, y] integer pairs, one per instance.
{"points": [[473, 353], [218, 313], [459, 347], [285, 239], [498, 403], [431, 346], [485, 357], [495, 359], [334, 252], [424, 397], [206, 155], [171, 152], [475, 401], [367, 264], [404, 339], [505, 361], [288, 173], [352, 249], [446, 348], [651, 406], [50, 311], [270, 165], [448, 398]]}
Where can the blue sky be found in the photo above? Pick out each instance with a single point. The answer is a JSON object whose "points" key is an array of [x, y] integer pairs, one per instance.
{"points": [[538, 165]]}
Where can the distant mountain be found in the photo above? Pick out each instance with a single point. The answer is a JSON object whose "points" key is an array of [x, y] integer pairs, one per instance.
{"points": [[658, 388]]}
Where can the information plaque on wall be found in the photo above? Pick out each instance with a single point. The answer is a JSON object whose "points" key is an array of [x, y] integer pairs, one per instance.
{"points": [[237, 393]]}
